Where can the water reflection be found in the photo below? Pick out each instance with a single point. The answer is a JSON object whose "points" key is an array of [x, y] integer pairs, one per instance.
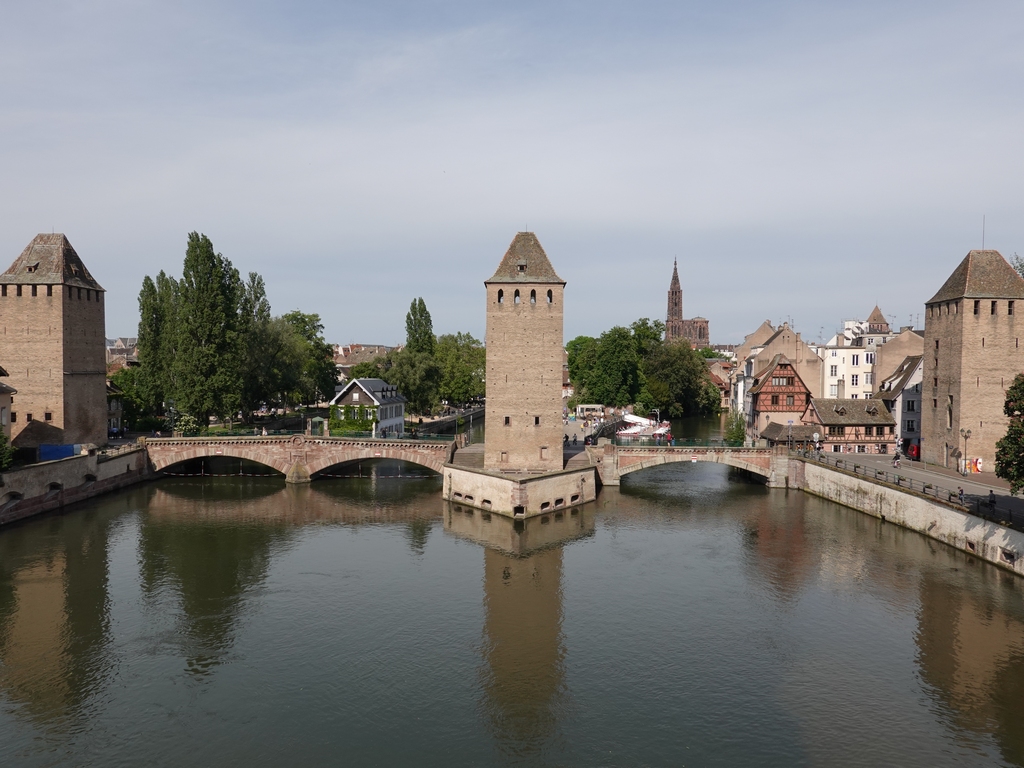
{"points": [[523, 649], [54, 614]]}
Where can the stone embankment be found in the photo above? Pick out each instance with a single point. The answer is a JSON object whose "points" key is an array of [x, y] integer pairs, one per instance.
{"points": [[50, 485], [947, 522]]}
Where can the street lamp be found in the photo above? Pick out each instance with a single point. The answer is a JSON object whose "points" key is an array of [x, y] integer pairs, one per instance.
{"points": [[966, 435]]}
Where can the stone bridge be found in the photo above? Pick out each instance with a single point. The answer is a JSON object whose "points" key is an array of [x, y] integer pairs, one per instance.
{"points": [[297, 457], [614, 461]]}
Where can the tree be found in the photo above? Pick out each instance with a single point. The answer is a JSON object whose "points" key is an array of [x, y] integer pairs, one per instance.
{"points": [[615, 378], [735, 428], [319, 375], [582, 356], [417, 376], [6, 452], [419, 329], [206, 361], [256, 349], [709, 354], [1010, 449], [1017, 263], [647, 336], [157, 341], [133, 404], [686, 380], [372, 369], [462, 361]]}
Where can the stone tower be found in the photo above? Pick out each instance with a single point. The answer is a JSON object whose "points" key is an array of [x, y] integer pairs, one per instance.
{"points": [[674, 319], [52, 320], [695, 331], [524, 361], [972, 352]]}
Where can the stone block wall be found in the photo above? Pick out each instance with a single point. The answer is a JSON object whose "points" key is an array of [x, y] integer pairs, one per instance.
{"points": [[524, 378]]}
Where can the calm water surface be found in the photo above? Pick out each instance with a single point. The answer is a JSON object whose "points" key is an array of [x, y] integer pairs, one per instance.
{"points": [[688, 618]]}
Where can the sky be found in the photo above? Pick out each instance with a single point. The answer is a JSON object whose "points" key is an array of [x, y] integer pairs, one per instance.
{"points": [[803, 161]]}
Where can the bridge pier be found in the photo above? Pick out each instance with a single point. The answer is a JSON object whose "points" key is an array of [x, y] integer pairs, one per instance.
{"points": [[298, 473]]}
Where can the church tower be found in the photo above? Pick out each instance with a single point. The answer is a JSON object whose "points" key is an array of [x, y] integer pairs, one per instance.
{"points": [[54, 346], [674, 320], [524, 361]]}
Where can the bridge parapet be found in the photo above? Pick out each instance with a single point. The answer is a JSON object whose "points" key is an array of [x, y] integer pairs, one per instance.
{"points": [[297, 457], [614, 461]]}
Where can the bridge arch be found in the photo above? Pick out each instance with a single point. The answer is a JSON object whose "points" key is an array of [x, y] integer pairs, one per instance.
{"points": [[755, 461]]}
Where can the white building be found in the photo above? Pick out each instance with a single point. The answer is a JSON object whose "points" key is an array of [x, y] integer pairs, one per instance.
{"points": [[849, 357], [901, 393], [372, 400]]}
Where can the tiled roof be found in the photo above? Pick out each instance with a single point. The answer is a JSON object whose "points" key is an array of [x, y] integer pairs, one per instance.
{"points": [[834, 412], [765, 375], [903, 373], [49, 260], [778, 432], [876, 317], [981, 275], [525, 262], [378, 389]]}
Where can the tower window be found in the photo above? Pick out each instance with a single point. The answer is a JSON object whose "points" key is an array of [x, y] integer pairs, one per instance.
{"points": [[993, 311], [515, 299], [501, 296], [47, 416], [536, 421], [79, 294], [977, 306], [1009, 307], [35, 290], [70, 292], [522, 266], [549, 297], [533, 297], [508, 421], [19, 290], [28, 417], [3, 290], [49, 290], [14, 416]]}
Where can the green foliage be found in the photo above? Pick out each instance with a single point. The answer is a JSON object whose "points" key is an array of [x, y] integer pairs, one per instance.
{"points": [[369, 370], [318, 374], [647, 336], [1010, 449], [1017, 263], [205, 365], [208, 342], [462, 361], [735, 428], [351, 419], [419, 329], [681, 380], [187, 424], [133, 404], [6, 452], [417, 376]]}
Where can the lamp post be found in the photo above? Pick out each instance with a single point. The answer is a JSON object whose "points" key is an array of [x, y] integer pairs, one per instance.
{"points": [[966, 435]]}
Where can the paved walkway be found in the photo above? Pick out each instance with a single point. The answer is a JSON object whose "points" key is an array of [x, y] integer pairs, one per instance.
{"points": [[976, 486]]}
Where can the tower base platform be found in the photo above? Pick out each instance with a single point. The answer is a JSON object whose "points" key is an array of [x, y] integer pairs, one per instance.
{"points": [[519, 495]]}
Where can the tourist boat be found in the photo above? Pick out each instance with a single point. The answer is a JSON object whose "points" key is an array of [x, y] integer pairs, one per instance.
{"points": [[644, 430]]}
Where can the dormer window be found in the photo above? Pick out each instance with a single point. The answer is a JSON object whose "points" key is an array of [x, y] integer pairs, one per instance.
{"points": [[32, 267], [521, 266]]}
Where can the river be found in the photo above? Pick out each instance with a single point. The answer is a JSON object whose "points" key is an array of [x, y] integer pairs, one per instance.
{"points": [[687, 618]]}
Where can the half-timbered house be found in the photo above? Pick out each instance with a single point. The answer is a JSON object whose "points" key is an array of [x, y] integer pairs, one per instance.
{"points": [[852, 426], [778, 395]]}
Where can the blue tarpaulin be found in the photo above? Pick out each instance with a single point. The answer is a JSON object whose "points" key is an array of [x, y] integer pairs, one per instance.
{"points": [[54, 452]]}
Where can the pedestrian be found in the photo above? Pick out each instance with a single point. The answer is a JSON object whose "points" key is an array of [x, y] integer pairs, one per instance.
{"points": [[574, 438], [960, 495], [992, 499], [264, 431]]}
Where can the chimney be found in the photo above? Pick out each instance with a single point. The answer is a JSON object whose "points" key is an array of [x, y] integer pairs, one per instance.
{"points": [[841, 389]]}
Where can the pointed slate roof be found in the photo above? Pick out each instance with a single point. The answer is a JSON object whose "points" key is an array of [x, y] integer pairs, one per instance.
{"points": [[674, 285], [982, 275], [525, 262], [49, 260]]}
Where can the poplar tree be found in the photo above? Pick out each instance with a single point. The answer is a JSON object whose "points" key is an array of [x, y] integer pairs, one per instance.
{"points": [[419, 329], [205, 366]]}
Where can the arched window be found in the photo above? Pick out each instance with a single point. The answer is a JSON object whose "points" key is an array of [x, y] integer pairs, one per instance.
{"points": [[501, 296], [549, 297], [516, 297], [533, 297]]}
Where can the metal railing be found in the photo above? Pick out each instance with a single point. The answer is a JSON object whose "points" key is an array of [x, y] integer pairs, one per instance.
{"points": [[650, 442], [974, 505], [407, 437]]}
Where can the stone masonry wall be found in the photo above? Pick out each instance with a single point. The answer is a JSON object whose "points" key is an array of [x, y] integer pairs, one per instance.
{"points": [[977, 357], [524, 378]]}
